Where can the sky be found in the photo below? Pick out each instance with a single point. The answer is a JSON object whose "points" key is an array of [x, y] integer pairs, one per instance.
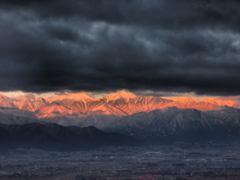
{"points": [[144, 46]]}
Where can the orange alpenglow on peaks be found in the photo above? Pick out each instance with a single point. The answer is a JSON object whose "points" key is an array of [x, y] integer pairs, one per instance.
{"points": [[29, 102], [120, 94], [4, 101], [220, 101], [73, 96], [188, 102], [78, 105], [2, 96]]}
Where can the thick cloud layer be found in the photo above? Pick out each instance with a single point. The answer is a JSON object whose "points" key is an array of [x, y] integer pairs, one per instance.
{"points": [[106, 45]]}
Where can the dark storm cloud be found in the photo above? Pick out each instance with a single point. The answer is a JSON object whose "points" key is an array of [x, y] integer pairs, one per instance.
{"points": [[106, 45]]}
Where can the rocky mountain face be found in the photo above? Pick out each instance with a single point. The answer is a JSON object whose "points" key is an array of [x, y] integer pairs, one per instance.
{"points": [[178, 123]]}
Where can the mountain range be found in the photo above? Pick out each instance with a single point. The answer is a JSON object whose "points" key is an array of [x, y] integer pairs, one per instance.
{"points": [[77, 105], [145, 117]]}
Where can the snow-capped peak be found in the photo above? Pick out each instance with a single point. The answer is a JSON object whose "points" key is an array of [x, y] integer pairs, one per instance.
{"points": [[121, 94], [81, 96], [184, 100]]}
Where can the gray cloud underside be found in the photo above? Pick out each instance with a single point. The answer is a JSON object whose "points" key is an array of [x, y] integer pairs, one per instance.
{"points": [[106, 45]]}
